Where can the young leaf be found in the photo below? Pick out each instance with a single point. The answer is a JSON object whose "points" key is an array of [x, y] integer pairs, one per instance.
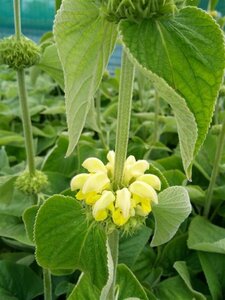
{"points": [[129, 286], [85, 41], [173, 208], [65, 240], [205, 236], [177, 55]]}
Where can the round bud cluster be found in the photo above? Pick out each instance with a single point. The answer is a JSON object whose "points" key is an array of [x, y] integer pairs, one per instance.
{"points": [[31, 184], [19, 54], [134, 10]]}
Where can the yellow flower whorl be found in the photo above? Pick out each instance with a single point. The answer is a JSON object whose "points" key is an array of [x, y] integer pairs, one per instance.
{"points": [[123, 206]]}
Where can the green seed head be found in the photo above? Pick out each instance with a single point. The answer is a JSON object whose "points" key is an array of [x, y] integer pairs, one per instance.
{"points": [[116, 10], [31, 184], [19, 54]]}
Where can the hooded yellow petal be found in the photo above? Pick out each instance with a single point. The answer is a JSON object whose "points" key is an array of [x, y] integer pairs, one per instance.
{"points": [[78, 181], [152, 180], [143, 190], [144, 208], [94, 165], [118, 217], [123, 201], [111, 157], [135, 169], [102, 205], [95, 183], [110, 164]]}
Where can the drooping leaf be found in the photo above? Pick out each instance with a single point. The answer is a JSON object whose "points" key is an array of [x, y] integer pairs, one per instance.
{"points": [[65, 240], [18, 282], [84, 40], [173, 208], [129, 286], [182, 269], [205, 236], [177, 55]]}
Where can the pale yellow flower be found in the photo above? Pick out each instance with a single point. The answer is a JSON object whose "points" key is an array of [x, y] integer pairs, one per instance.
{"points": [[102, 207], [134, 199]]}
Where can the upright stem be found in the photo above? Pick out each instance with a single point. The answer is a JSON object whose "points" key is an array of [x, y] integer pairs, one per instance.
{"points": [[27, 127], [156, 118], [17, 19], [113, 240], [47, 284], [218, 155], [123, 118]]}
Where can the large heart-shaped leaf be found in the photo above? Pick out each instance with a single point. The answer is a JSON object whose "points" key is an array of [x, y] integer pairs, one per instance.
{"points": [[184, 57], [85, 41], [173, 208], [65, 240]]}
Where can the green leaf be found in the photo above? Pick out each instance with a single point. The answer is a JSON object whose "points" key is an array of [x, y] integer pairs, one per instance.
{"points": [[55, 159], [13, 228], [85, 289], [12, 201], [173, 288], [173, 208], [182, 269], [65, 240], [205, 236], [144, 264], [174, 250], [214, 271], [175, 177], [177, 55], [135, 244], [18, 282], [85, 41], [128, 284], [51, 64], [8, 137], [4, 161], [29, 216]]}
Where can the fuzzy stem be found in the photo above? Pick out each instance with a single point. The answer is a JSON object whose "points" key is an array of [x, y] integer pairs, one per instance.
{"points": [[47, 284], [17, 19], [156, 118], [27, 127], [123, 119], [113, 241], [218, 155]]}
